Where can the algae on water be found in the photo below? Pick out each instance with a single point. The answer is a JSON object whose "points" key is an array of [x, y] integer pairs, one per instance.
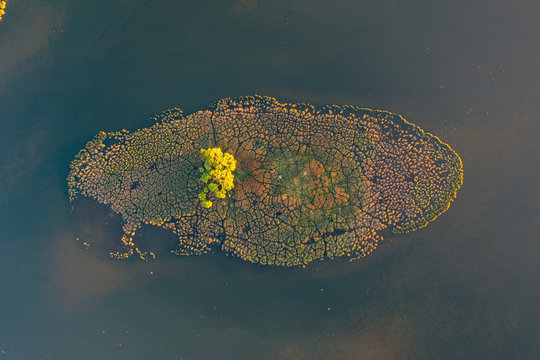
{"points": [[309, 183]]}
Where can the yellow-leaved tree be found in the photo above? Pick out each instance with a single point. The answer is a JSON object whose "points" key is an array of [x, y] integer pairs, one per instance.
{"points": [[216, 174]]}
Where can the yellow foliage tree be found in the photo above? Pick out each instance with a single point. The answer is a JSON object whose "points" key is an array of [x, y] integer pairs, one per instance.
{"points": [[2, 9], [216, 174]]}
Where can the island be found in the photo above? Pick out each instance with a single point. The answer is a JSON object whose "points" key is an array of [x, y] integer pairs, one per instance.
{"points": [[303, 184]]}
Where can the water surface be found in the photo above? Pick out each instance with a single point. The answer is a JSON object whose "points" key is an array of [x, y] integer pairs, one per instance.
{"points": [[464, 287]]}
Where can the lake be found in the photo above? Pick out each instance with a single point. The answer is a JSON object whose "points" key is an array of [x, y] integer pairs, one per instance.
{"points": [[464, 287]]}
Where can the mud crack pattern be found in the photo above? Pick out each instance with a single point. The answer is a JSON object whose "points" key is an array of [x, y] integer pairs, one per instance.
{"points": [[310, 183]]}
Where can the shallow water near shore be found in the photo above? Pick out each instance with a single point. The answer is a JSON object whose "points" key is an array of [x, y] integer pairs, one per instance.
{"points": [[466, 286]]}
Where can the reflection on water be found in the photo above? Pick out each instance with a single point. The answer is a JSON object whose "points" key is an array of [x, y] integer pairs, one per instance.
{"points": [[368, 340], [25, 157], [466, 287], [26, 35], [80, 280], [243, 7]]}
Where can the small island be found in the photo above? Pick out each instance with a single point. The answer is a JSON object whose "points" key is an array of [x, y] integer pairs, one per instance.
{"points": [[270, 183]]}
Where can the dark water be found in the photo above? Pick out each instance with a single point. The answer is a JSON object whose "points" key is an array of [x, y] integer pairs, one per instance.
{"points": [[465, 287]]}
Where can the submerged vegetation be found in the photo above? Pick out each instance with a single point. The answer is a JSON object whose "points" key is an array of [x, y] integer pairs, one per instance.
{"points": [[309, 183]]}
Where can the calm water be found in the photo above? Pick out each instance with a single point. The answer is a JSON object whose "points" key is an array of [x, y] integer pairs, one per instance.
{"points": [[465, 287]]}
